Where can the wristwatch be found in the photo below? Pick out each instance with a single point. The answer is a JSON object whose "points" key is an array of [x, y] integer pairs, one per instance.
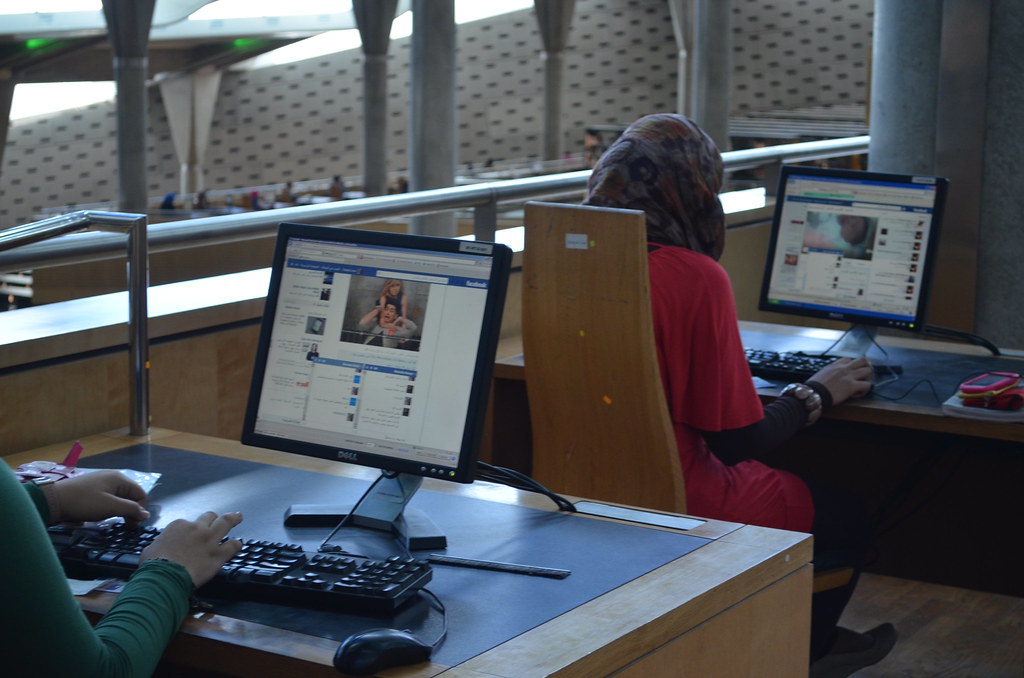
{"points": [[810, 398]]}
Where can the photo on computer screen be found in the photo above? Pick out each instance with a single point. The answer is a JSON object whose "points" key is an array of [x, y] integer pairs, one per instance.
{"points": [[388, 313], [851, 235]]}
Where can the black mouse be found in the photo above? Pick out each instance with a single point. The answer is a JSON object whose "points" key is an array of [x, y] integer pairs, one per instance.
{"points": [[373, 650]]}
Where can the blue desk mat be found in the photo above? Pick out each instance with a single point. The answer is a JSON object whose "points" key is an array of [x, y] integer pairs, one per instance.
{"points": [[923, 371], [485, 608]]}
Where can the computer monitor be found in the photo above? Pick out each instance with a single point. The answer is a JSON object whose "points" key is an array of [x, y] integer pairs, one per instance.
{"points": [[377, 349], [853, 246]]}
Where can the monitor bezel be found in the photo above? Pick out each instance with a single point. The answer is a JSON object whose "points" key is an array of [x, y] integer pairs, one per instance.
{"points": [[853, 316], [465, 471]]}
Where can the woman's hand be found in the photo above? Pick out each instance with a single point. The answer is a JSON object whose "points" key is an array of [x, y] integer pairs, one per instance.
{"points": [[198, 545], [98, 495], [845, 378]]}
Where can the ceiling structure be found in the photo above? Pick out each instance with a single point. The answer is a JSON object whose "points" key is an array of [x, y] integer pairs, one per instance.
{"points": [[73, 46]]}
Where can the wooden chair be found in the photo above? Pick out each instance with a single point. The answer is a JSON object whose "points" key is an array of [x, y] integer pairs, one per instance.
{"points": [[601, 427]]}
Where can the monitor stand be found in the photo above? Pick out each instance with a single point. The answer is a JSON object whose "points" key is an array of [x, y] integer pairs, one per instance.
{"points": [[383, 508], [855, 342], [858, 341]]}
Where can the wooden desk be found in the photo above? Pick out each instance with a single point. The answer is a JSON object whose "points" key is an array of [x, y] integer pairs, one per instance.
{"points": [[714, 611], [945, 364], [942, 489], [512, 437]]}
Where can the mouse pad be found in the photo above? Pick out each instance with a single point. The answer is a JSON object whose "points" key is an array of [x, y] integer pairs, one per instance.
{"points": [[484, 608]]}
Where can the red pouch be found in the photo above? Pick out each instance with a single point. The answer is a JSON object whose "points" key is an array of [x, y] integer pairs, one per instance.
{"points": [[1010, 399]]}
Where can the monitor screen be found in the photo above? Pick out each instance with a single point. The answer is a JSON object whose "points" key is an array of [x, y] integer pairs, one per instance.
{"points": [[377, 349], [853, 245]]}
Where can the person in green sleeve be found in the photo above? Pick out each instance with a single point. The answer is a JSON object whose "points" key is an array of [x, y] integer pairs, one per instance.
{"points": [[45, 632]]}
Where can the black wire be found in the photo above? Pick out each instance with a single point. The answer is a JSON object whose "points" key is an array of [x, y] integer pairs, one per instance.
{"points": [[439, 606], [532, 485], [907, 392], [510, 480], [324, 548], [949, 333], [521, 481]]}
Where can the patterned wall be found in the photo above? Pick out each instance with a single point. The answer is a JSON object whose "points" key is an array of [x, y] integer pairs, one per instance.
{"points": [[303, 120]]}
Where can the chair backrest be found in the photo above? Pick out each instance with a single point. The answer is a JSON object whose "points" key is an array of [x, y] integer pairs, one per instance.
{"points": [[601, 427]]}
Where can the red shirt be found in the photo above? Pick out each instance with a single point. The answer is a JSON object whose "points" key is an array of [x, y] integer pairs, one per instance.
{"points": [[709, 388]]}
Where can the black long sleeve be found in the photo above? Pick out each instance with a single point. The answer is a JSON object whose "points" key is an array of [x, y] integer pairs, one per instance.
{"points": [[783, 418]]}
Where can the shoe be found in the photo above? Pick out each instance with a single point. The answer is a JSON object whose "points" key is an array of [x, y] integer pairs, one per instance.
{"points": [[853, 651]]}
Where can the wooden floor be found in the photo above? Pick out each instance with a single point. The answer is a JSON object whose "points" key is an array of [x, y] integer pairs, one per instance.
{"points": [[944, 632]]}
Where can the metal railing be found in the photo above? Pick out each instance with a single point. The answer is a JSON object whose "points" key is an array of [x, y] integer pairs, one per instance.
{"points": [[47, 243], [134, 225], [483, 199]]}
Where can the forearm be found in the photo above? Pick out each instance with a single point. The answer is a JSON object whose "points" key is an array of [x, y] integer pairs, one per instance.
{"points": [[783, 418], [146, 615], [128, 641]]}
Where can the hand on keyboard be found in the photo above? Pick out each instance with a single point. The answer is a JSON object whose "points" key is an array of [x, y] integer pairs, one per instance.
{"points": [[845, 378], [200, 546], [262, 571]]}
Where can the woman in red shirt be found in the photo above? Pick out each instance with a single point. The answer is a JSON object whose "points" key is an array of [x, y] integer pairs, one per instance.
{"points": [[667, 167]]}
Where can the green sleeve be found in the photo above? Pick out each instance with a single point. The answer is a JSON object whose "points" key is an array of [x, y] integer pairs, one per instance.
{"points": [[44, 631], [35, 493]]}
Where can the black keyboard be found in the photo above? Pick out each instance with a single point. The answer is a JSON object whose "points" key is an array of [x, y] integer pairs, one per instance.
{"points": [[785, 366], [798, 366], [263, 571]]}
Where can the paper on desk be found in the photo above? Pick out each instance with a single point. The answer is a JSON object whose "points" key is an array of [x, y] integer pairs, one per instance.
{"points": [[954, 406], [80, 587], [146, 480]]}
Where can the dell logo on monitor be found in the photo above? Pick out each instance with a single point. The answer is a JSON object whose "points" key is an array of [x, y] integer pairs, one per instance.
{"points": [[345, 455]]}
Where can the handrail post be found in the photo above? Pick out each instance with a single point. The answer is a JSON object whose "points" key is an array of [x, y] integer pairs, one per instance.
{"points": [[135, 225], [138, 325], [485, 219], [771, 178]]}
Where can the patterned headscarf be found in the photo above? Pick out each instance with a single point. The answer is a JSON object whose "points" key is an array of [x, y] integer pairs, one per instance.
{"points": [[666, 166]]}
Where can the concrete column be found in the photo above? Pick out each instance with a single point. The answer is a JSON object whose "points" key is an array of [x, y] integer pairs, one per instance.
{"points": [[554, 18], [189, 100], [681, 12], [712, 68], [374, 19], [432, 116], [928, 115], [7, 84], [176, 92], [1001, 251], [128, 23], [205, 89], [904, 86]]}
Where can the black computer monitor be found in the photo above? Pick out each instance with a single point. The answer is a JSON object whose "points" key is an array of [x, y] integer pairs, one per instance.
{"points": [[853, 246], [377, 349]]}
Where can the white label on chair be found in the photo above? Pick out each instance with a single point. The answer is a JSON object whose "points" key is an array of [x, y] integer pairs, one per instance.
{"points": [[576, 241]]}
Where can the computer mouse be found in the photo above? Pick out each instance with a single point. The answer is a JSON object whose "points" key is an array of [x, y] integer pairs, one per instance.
{"points": [[374, 650]]}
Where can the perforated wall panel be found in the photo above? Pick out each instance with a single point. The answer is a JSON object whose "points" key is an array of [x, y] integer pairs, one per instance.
{"points": [[304, 120]]}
